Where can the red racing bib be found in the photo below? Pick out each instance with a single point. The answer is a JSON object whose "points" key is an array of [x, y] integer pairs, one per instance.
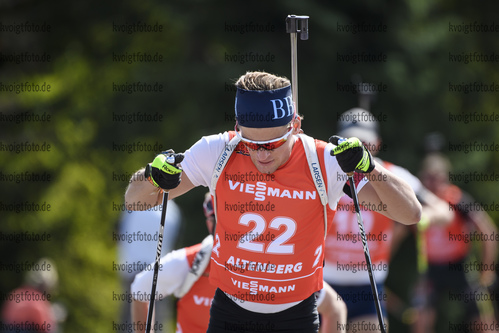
{"points": [[269, 240]]}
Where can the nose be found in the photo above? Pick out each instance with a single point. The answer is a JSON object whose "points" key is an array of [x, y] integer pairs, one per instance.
{"points": [[262, 154]]}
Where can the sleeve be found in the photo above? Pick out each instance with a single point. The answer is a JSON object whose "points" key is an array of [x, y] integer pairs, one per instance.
{"points": [[171, 274], [336, 178], [145, 223], [199, 160]]}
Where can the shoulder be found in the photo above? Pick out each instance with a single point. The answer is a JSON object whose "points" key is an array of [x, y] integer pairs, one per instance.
{"points": [[213, 141], [201, 157]]}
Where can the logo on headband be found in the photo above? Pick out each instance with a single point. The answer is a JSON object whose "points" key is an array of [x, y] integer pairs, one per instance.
{"points": [[264, 108], [279, 108]]}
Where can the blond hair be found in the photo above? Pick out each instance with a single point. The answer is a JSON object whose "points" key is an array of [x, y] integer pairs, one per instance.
{"points": [[261, 81]]}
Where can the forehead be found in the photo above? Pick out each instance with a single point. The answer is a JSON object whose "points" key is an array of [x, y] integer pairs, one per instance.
{"points": [[262, 134]]}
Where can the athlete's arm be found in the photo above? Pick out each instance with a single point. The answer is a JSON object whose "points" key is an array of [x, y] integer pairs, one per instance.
{"points": [[141, 194], [332, 309], [385, 193], [435, 210], [139, 315], [485, 226], [197, 165], [391, 196]]}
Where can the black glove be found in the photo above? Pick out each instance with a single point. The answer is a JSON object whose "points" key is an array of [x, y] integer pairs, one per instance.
{"points": [[351, 155], [164, 172]]}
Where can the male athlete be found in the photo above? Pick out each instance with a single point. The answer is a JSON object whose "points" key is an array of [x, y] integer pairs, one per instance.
{"points": [[449, 278], [185, 273], [345, 267], [275, 191]]}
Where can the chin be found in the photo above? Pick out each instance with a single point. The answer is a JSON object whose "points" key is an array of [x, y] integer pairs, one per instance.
{"points": [[263, 170], [266, 169]]}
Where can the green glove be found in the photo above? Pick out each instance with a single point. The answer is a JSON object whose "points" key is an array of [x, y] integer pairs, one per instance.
{"points": [[164, 171], [351, 155]]}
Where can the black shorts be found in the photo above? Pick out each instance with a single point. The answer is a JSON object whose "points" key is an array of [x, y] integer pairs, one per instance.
{"points": [[360, 300], [445, 283], [227, 316]]}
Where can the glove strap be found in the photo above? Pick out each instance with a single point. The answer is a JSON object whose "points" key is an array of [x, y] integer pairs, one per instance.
{"points": [[147, 174]]}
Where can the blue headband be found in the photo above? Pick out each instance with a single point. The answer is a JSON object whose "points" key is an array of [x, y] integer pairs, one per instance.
{"points": [[264, 108]]}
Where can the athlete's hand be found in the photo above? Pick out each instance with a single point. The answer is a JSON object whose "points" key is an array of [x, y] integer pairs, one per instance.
{"points": [[351, 155], [164, 171]]}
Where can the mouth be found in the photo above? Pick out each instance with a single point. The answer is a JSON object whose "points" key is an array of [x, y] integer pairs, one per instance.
{"points": [[264, 163]]}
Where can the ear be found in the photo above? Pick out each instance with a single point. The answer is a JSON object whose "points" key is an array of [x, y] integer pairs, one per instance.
{"points": [[297, 125]]}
